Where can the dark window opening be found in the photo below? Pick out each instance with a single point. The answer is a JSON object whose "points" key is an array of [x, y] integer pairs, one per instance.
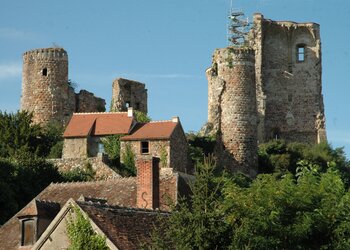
{"points": [[45, 72], [127, 104], [28, 232], [137, 105], [290, 68], [144, 147], [301, 53]]}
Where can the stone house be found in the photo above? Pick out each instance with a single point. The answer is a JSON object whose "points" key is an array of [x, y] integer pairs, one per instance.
{"points": [[163, 139], [122, 209], [82, 137]]}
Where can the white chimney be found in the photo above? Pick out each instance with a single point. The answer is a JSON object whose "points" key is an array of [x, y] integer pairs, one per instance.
{"points": [[130, 112], [175, 119]]}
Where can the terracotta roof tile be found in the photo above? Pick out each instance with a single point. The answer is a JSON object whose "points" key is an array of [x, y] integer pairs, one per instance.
{"points": [[84, 124], [117, 191], [152, 130], [127, 228]]}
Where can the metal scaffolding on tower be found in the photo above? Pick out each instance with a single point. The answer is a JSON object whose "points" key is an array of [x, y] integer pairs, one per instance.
{"points": [[238, 27]]}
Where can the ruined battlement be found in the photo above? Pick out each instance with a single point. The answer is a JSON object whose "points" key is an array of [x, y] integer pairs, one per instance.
{"points": [[46, 54]]}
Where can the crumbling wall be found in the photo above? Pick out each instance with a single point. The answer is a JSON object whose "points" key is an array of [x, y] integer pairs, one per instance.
{"points": [[232, 108], [289, 90], [128, 93], [98, 164], [88, 102]]}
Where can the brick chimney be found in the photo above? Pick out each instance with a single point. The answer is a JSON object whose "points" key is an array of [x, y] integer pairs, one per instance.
{"points": [[148, 183]]}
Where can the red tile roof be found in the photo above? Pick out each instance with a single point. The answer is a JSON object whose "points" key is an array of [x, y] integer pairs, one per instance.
{"points": [[84, 124], [153, 130], [127, 228]]}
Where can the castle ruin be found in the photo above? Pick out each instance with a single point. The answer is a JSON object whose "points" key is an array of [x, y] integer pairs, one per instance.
{"points": [[269, 88], [46, 90], [128, 93]]}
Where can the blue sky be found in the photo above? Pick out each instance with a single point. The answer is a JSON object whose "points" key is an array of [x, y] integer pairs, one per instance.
{"points": [[166, 44]]}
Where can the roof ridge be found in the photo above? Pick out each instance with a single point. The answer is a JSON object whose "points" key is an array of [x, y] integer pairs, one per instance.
{"points": [[159, 121], [90, 113], [120, 207], [91, 182]]}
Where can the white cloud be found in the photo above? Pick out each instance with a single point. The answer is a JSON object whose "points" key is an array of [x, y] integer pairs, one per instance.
{"points": [[12, 69], [11, 33]]}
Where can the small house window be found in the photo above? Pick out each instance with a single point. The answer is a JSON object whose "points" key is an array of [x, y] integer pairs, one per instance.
{"points": [[144, 147], [301, 53], [101, 148], [28, 231], [45, 72]]}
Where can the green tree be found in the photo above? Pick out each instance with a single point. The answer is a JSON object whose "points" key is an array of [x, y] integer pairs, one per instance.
{"points": [[81, 234], [128, 167], [141, 117], [198, 224]]}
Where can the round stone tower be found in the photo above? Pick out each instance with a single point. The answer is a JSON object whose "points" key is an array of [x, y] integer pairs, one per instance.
{"points": [[232, 108], [45, 88]]}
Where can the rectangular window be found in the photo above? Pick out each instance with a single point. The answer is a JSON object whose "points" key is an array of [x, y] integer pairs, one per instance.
{"points": [[301, 53], [27, 232], [144, 147]]}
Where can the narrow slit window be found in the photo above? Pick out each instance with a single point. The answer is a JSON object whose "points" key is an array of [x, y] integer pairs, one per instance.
{"points": [[301, 53], [145, 147], [45, 72]]}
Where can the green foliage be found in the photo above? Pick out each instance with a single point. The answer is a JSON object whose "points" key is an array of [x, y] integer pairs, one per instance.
{"points": [[163, 157], [56, 151], [111, 145], [19, 137], [276, 213], [21, 180], [128, 167], [79, 174], [141, 117], [305, 210], [279, 157], [200, 146], [199, 224], [81, 234]]}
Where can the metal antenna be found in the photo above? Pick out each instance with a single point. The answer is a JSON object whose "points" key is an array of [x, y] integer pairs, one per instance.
{"points": [[237, 29]]}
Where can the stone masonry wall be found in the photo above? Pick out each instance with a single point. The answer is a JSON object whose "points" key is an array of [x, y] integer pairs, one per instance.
{"points": [[155, 149], [127, 93], [45, 88], [88, 102], [75, 148], [232, 108], [179, 151], [98, 164], [289, 91]]}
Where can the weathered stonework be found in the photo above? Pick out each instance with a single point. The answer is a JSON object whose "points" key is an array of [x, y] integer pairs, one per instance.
{"points": [[173, 153], [46, 91], [289, 90], [128, 93], [98, 164], [75, 148], [232, 108], [283, 85], [88, 102]]}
